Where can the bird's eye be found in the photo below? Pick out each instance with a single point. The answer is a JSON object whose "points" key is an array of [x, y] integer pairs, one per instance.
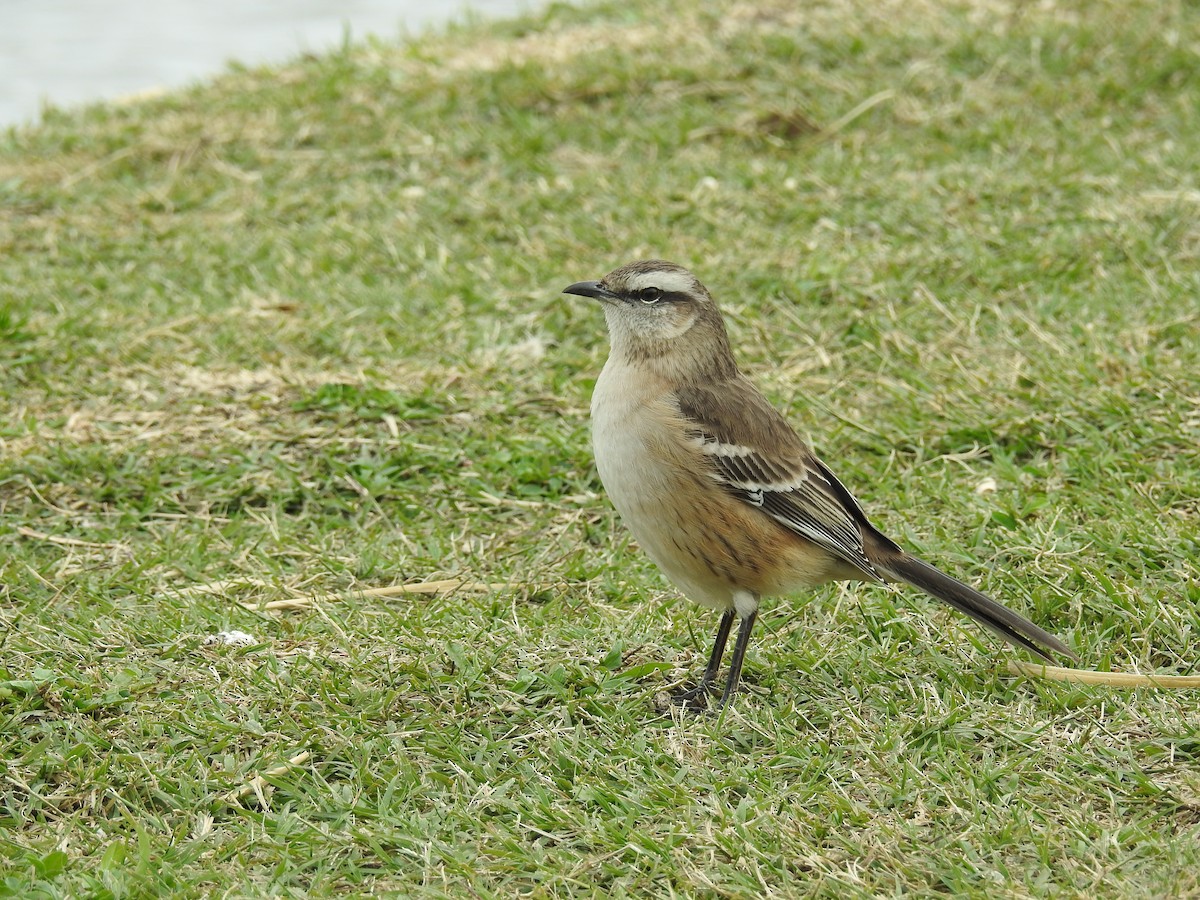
{"points": [[650, 295]]}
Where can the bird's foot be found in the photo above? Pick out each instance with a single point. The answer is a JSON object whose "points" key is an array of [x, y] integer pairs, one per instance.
{"points": [[694, 698]]}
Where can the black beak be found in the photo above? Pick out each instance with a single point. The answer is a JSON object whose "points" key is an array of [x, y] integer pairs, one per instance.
{"points": [[589, 289]]}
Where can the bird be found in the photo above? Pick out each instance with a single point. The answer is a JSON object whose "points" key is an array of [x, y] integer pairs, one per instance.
{"points": [[719, 490]]}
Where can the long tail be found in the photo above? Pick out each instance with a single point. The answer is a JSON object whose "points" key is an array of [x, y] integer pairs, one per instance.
{"points": [[1003, 621]]}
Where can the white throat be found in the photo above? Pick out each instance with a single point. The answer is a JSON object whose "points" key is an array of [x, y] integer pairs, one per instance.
{"points": [[629, 328]]}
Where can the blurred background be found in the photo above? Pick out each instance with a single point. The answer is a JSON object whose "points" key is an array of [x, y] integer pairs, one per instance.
{"points": [[68, 52]]}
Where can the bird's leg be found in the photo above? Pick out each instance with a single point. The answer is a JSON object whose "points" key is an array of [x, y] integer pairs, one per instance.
{"points": [[739, 654], [691, 696]]}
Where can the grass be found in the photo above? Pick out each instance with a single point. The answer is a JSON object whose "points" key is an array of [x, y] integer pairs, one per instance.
{"points": [[298, 333]]}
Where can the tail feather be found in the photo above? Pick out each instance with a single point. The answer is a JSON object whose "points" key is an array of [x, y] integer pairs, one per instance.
{"points": [[1007, 624]]}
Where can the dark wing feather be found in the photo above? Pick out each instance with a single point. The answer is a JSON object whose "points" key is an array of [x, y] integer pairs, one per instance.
{"points": [[755, 455]]}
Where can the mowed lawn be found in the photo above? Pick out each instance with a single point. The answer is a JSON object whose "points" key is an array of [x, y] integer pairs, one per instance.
{"points": [[298, 334]]}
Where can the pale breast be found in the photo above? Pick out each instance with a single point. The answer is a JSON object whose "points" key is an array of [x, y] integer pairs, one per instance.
{"points": [[638, 439], [628, 415]]}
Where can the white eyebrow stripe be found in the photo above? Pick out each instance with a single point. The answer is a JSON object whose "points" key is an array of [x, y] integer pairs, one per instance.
{"points": [[668, 282]]}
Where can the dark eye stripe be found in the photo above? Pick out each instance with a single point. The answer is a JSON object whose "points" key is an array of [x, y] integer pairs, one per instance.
{"points": [[662, 297]]}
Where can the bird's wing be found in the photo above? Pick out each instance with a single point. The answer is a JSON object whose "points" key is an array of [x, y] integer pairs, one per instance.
{"points": [[755, 455]]}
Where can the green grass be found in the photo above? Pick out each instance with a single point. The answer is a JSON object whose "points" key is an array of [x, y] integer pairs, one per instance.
{"points": [[300, 331]]}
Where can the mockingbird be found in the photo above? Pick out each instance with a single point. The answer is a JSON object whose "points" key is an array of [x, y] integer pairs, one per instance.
{"points": [[717, 487]]}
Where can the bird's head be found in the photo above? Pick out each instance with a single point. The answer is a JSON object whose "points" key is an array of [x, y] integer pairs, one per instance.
{"points": [[657, 309]]}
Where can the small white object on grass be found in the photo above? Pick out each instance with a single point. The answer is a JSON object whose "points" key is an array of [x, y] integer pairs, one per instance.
{"points": [[230, 639]]}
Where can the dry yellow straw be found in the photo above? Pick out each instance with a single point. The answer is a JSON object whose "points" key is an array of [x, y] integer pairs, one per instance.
{"points": [[1112, 679], [396, 590], [256, 784]]}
